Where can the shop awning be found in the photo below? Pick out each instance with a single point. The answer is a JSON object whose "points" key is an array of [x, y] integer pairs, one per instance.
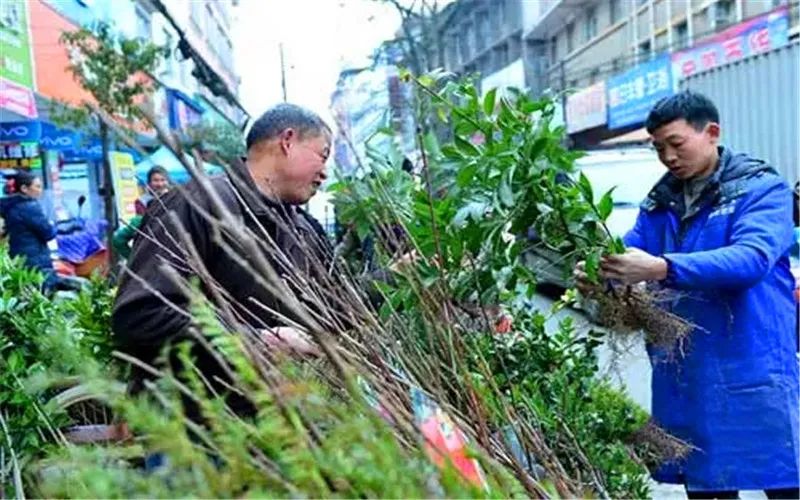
{"points": [[165, 158]]}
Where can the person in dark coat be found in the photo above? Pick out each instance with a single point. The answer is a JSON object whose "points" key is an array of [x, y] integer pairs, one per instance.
{"points": [[27, 226], [287, 148], [718, 228]]}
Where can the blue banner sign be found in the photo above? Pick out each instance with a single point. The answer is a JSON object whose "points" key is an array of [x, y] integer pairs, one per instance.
{"points": [[28, 131], [632, 94]]}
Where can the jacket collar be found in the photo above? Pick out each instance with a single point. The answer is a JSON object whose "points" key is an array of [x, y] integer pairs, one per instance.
{"points": [[243, 183], [728, 181]]}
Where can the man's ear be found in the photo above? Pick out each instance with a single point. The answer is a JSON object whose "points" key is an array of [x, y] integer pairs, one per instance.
{"points": [[714, 131], [286, 138]]}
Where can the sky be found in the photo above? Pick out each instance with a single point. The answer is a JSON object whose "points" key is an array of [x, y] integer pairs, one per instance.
{"points": [[319, 37]]}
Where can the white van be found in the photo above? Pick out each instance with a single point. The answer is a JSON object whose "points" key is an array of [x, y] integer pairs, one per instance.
{"points": [[631, 171]]}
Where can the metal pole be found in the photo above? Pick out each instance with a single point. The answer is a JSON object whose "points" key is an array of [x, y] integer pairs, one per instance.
{"points": [[283, 72], [689, 30]]}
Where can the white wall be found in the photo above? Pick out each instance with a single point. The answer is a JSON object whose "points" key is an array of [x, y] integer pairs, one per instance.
{"points": [[512, 75]]}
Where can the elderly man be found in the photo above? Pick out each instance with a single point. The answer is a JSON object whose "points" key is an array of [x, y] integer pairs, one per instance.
{"points": [[287, 148], [718, 229]]}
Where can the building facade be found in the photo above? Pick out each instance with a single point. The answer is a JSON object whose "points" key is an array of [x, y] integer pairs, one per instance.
{"points": [[207, 26], [482, 37], [587, 41], [197, 82], [583, 46], [369, 99]]}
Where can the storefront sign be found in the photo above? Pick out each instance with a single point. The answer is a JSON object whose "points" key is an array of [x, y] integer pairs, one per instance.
{"points": [[587, 108], [59, 139], [183, 111], [123, 172], [16, 68], [632, 94], [757, 35], [20, 155], [20, 131]]}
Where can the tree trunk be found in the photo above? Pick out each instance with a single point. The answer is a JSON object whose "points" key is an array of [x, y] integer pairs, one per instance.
{"points": [[108, 196]]}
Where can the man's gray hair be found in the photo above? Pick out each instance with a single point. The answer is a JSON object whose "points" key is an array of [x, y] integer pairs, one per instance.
{"points": [[278, 118]]}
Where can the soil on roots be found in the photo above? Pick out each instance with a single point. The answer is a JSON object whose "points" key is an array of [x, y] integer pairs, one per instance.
{"points": [[630, 310], [655, 446]]}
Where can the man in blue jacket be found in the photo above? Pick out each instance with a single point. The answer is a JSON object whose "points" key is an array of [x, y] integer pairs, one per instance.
{"points": [[718, 229]]}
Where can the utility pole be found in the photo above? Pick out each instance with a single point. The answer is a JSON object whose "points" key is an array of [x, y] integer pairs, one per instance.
{"points": [[283, 72]]}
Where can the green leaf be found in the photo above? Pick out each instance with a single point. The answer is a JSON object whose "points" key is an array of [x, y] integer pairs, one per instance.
{"points": [[451, 152], [488, 102], [606, 205], [586, 188], [472, 210], [466, 147], [617, 246], [505, 193], [466, 174], [537, 148], [442, 114], [592, 266], [425, 80]]}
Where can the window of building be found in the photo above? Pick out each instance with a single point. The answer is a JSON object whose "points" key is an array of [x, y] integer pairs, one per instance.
{"points": [[465, 43], [681, 38], [452, 51], [514, 48], [645, 51], [502, 12], [502, 57], [197, 13], [570, 37], [142, 23], [482, 33], [614, 11], [641, 2], [594, 76], [590, 24], [553, 50], [469, 39], [186, 74], [722, 13], [169, 61]]}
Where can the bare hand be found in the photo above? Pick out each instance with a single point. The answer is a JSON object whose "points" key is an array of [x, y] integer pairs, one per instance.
{"points": [[292, 339], [634, 266], [404, 261], [582, 282]]}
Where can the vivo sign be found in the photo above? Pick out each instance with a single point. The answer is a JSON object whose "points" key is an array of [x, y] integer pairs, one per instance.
{"points": [[17, 132], [63, 142], [20, 131]]}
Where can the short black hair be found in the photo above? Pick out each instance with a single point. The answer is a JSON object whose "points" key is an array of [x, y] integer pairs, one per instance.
{"points": [[157, 169], [23, 178], [697, 109], [278, 118]]}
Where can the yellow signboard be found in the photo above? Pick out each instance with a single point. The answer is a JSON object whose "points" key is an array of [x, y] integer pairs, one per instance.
{"points": [[126, 190]]}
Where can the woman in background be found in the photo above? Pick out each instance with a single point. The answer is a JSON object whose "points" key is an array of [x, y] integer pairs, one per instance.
{"points": [[157, 185], [26, 225]]}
